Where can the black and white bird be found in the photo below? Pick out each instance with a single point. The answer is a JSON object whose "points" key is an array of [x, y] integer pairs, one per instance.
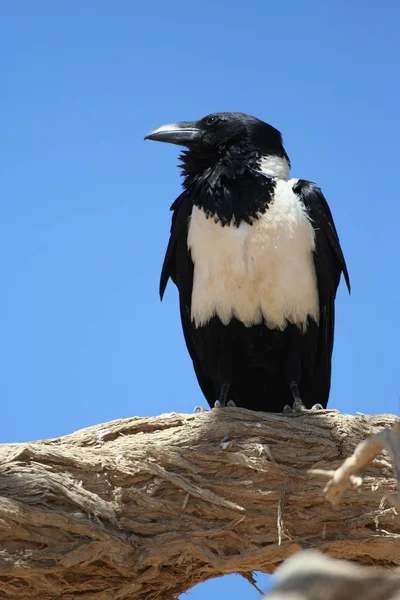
{"points": [[257, 262]]}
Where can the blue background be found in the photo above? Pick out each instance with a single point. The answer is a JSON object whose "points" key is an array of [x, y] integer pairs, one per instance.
{"points": [[84, 201]]}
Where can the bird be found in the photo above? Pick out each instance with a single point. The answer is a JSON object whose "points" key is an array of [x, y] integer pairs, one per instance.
{"points": [[257, 261]]}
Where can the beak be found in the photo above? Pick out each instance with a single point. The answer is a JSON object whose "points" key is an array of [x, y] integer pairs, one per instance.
{"points": [[182, 134]]}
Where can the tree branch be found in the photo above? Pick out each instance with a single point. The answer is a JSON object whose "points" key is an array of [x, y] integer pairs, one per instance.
{"points": [[365, 452], [145, 508], [310, 575]]}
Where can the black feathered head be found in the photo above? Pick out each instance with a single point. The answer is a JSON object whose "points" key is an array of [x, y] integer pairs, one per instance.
{"points": [[226, 136]]}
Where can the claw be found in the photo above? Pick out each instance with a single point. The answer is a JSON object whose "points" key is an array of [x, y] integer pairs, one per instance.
{"points": [[299, 408], [298, 405], [222, 396], [230, 403], [198, 409]]}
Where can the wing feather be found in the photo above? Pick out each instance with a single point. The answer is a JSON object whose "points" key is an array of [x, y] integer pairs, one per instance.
{"points": [[329, 265], [178, 266]]}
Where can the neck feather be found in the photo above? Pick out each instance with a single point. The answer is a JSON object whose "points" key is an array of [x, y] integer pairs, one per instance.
{"points": [[274, 166]]}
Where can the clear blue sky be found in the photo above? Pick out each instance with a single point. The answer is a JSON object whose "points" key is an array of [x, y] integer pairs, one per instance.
{"points": [[85, 202]]}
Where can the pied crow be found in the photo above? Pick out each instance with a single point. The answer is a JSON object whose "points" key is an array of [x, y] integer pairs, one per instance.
{"points": [[257, 262]]}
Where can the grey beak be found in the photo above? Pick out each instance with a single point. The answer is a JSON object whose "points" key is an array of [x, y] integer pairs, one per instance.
{"points": [[182, 134]]}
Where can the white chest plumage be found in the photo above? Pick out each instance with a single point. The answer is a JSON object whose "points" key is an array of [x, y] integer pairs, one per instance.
{"points": [[255, 272]]}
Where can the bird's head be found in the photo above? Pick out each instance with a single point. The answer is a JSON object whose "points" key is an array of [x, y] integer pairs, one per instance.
{"points": [[232, 140]]}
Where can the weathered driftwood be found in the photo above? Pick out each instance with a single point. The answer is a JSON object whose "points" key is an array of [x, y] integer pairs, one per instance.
{"points": [[145, 508]]}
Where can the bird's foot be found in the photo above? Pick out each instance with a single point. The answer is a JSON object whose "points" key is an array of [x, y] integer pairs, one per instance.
{"points": [[219, 404], [198, 409], [299, 408], [222, 400]]}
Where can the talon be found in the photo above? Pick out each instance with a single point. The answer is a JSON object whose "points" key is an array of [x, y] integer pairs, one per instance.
{"points": [[198, 409], [217, 404], [298, 406], [231, 403]]}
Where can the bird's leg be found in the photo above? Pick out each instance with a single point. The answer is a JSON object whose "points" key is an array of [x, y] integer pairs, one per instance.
{"points": [[298, 406], [223, 395], [224, 378], [293, 375]]}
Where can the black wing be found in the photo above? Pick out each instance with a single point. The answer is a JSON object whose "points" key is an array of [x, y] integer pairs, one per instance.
{"points": [[178, 266], [329, 265]]}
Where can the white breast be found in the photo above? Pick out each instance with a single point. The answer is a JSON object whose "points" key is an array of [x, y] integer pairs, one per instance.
{"points": [[265, 270]]}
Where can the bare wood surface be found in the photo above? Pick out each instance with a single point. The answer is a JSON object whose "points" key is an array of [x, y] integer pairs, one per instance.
{"points": [[145, 508], [339, 480]]}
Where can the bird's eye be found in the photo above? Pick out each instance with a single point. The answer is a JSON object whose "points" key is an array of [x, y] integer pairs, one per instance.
{"points": [[211, 120]]}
